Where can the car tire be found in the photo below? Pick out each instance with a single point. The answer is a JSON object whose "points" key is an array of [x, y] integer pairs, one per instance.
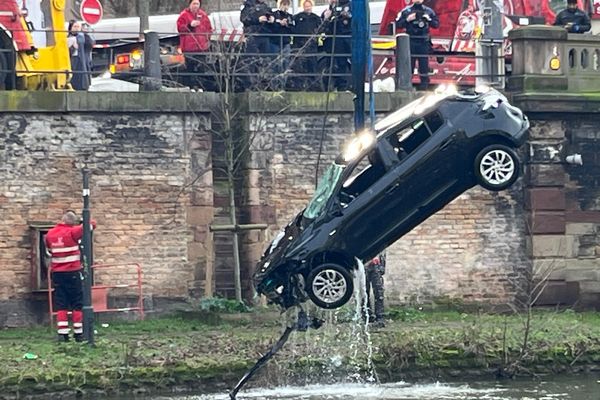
{"points": [[329, 285], [496, 167]]}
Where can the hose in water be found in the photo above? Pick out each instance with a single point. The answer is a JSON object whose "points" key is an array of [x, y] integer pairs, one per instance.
{"points": [[263, 360]]}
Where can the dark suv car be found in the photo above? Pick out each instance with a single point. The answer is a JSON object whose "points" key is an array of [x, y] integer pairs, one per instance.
{"points": [[385, 183]]}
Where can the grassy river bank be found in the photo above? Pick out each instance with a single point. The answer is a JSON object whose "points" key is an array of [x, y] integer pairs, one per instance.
{"points": [[208, 351]]}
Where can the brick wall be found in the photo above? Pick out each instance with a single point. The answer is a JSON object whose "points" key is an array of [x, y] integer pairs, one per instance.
{"points": [[142, 166]]}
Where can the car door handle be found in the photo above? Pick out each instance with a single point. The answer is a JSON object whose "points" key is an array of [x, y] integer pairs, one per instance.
{"points": [[392, 188], [445, 144]]}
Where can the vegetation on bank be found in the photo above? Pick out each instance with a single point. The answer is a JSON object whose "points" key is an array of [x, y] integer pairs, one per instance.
{"points": [[210, 350]]}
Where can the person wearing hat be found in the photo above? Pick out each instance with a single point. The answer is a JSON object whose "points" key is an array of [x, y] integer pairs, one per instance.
{"points": [[573, 19]]}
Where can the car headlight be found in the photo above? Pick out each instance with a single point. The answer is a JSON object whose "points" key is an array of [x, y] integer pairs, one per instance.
{"points": [[276, 241]]}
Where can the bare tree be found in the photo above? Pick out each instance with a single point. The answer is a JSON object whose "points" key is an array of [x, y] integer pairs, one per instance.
{"points": [[531, 286], [236, 71]]}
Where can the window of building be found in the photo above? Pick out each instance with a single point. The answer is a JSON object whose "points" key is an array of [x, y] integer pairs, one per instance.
{"points": [[40, 260]]}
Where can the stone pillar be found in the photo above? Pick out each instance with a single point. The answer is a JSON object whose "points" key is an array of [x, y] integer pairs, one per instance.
{"points": [[535, 50], [200, 212], [546, 204]]}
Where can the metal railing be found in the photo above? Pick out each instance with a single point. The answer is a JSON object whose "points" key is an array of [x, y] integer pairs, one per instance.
{"points": [[100, 291], [269, 62]]}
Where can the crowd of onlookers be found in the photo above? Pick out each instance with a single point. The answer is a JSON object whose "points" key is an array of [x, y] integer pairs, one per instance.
{"points": [[302, 51], [281, 50]]}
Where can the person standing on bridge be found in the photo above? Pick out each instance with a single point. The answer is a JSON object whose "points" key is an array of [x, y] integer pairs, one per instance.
{"points": [[194, 29], [306, 28], [416, 19], [81, 76], [573, 19], [257, 18], [281, 40], [337, 25], [62, 242]]}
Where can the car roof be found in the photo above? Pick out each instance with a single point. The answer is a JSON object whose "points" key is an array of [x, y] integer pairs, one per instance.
{"points": [[432, 100]]}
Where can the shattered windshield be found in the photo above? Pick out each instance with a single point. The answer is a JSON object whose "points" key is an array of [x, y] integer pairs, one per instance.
{"points": [[324, 190]]}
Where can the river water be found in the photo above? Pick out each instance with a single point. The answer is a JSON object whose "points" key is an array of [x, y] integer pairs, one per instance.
{"points": [[586, 387]]}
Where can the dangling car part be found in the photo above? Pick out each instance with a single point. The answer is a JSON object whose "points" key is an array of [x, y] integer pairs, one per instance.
{"points": [[302, 324], [386, 182]]}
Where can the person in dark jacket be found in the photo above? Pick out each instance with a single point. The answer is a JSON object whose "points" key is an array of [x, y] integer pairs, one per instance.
{"points": [[374, 270], [282, 28], [90, 41], [416, 20], [337, 24], [80, 77], [257, 18], [281, 40], [306, 26], [573, 19]]}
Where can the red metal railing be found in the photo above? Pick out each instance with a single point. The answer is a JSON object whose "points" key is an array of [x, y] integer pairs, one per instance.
{"points": [[100, 292]]}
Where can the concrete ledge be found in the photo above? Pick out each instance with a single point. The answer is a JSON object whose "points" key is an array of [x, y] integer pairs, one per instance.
{"points": [[541, 32], [318, 101], [31, 101], [18, 101], [533, 83], [557, 103]]}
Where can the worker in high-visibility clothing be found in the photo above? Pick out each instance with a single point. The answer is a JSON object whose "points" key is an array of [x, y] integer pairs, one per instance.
{"points": [[62, 242]]}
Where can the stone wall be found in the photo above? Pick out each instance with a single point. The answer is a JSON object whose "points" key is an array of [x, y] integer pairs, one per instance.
{"points": [[474, 250], [564, 208], [142, 167], [151, 157]]}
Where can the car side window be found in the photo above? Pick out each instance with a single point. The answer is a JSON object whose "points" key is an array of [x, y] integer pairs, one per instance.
{"points": [[364, 174], [410, 137]]}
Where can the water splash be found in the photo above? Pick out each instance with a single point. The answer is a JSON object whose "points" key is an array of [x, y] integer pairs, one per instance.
{"points": [[360, 326], [362, 391]]}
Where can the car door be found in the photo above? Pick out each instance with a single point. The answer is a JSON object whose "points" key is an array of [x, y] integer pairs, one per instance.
{"points": [[412, 188], [428, 176], [362, 201]]}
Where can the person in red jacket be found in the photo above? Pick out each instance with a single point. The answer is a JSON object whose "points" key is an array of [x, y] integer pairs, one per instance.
{"points": [[194, 29], [62, 242]]}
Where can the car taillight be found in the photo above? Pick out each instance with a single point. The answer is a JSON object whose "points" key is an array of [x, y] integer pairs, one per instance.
{"points": [[123, 59]]}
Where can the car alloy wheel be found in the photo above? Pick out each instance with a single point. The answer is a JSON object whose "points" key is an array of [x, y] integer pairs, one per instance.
{"points": [[496, 167], [330, 285]]}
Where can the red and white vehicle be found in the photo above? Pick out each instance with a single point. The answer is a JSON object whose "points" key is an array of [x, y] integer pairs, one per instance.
{"points": [[454, 41]]}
